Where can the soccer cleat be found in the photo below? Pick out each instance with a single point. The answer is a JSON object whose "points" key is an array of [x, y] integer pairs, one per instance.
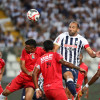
{"points": [[79, 95]]}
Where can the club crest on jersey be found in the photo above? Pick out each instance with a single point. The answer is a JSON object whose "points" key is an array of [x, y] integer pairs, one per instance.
{"points": [[32, 55]]}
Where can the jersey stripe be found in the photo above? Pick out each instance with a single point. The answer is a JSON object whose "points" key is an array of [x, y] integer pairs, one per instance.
{"points": [[76, 39], [66, 41], [70, 59]]}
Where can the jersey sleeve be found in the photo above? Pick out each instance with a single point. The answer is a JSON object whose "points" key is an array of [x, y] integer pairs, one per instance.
{"points": [[3, 63], [22, 55], [85, 43], [99, 65], [58, 40], [58, 57]]}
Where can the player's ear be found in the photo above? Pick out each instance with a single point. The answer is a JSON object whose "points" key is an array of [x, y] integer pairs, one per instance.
{"points": [[78, 30]]}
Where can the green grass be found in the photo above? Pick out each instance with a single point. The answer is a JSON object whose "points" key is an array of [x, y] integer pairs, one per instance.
{"points": [[94, 93]]}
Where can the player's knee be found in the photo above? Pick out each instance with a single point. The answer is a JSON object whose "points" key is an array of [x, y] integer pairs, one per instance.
{"points": [[68, 75], [6, 92]]}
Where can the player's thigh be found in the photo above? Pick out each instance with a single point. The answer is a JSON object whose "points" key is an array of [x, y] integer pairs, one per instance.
{"points": [[56, 94], [29, 91], [14, 85], [68, 74], [61, 96]]}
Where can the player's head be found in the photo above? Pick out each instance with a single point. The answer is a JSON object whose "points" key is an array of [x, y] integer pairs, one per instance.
{"points": [[73, 28], [30, 45], [81, 57], [48, 45], [0, 54]]}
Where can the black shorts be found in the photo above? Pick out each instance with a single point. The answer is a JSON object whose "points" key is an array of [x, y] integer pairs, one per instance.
{"points": [[73, 71]]}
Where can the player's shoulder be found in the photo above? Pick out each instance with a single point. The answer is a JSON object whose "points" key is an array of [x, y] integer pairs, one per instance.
{"points": [[2, 60], [81, 37], [83, 65], [39, 48]]}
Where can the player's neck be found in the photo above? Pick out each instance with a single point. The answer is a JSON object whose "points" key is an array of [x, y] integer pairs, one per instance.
{"points": [[50, 51]]}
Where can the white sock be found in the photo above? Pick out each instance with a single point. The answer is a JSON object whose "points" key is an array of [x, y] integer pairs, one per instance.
{"points": [[2, 97]]}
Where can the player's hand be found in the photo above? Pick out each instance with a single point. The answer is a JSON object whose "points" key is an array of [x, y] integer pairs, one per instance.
{"points": [[38, 94], [84, 89], [82, 70], [30, 73], [77, 85], [98, 54]]}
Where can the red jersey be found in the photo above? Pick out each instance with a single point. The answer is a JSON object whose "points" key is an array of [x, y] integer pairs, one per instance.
{"points": [[81, 75], [2, 64], [99, 65], [30, 59], [51, 70]]}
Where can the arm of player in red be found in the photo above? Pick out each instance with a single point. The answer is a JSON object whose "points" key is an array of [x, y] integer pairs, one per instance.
{"points": [[35, 76], [70, 65]]}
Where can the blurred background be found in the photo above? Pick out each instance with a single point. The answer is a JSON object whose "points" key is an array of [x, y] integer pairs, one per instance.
{"points": [[55, 15]]}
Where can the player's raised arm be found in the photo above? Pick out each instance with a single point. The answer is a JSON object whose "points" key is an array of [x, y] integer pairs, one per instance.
{"points": [[92, 53]]}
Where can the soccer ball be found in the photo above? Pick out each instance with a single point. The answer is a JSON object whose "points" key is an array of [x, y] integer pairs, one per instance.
{"points": [[33, 15]]}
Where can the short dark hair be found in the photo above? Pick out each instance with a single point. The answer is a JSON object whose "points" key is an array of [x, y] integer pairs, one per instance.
{"points": [[48, 45], [31, 42]]}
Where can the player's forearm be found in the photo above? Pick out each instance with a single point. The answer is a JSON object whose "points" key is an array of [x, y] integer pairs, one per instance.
{"points": [[93, 79], [34, 77], [68, 64], [91, 52], [85, 80], [24, 70]]}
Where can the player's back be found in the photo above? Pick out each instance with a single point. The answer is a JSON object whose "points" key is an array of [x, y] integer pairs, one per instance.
{"points": [[51, 70]]}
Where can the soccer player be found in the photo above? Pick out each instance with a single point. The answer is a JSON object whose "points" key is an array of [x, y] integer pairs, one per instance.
{"points": [[50, 66], [29, 56], [71, 44], [81, 77], [93, 79], [40, 83], [2, 68]]}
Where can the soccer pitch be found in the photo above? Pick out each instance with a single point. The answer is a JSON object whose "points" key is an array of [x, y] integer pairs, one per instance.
{"points": [[94, 93]]}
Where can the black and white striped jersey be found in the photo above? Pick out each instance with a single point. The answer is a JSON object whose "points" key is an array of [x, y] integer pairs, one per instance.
{"points": [[71, 46]]}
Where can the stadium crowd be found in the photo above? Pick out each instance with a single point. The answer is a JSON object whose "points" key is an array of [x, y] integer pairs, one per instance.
{"points": [[55, 15]]}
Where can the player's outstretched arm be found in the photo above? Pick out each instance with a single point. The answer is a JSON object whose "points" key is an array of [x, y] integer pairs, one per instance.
{"points": [[70, 65], [93, 79], [92, 53]]}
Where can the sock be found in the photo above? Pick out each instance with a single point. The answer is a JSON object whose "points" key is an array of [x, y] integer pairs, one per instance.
{"points": [[2, 97], [71, 86]]}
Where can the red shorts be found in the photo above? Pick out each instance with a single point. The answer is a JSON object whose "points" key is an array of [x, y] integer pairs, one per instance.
{"points": [[1, 89], [20, 82], [56, 94]]}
